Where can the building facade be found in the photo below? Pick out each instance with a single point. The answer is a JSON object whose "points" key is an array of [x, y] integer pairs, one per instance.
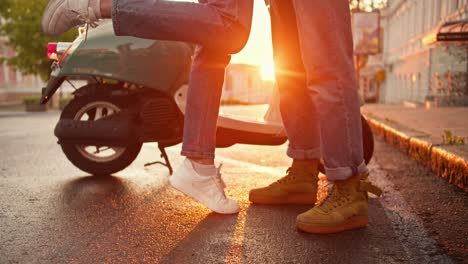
{"points": [[419, 68], [243, 83], [13, 84]]}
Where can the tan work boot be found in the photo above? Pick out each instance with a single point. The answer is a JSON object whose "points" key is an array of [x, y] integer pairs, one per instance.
{"points": [[299, 186], [345, 207]]}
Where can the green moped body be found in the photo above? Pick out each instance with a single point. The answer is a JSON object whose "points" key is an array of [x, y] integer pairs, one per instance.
{"points": [[158, 64]]}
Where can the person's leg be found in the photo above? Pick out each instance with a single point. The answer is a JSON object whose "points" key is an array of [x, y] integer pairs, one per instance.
{"points": [[203, 100], [215, 24], [221, 27], [299, 116], [327, 51], [197, 176], [327, 48]]}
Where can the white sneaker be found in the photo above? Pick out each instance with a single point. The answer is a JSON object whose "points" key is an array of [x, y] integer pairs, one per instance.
{"points": [[61, 15], [208, 190]]}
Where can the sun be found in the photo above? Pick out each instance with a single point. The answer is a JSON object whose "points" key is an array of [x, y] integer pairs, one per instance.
{"points": [[268, 71]]}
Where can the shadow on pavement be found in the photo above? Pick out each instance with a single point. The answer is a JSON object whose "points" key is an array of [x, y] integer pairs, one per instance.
{"points": [[83, 210], [270, 236], [208, 242], [92, 204], [93, 190], [108, 219], [104, 219]]}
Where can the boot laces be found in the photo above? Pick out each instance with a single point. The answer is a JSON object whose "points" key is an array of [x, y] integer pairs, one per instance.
{"points": [[337, 194], [291, 175], [332, 197]]}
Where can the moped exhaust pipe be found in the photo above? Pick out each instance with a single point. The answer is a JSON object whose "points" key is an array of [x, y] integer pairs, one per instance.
{"points": [[97, 133]]}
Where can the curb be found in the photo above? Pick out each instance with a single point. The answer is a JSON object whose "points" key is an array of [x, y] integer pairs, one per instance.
{"points": [[441, 161]]}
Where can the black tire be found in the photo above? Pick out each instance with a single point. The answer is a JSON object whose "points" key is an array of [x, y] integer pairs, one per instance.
{"points": [[367, 142], [82, 162]]}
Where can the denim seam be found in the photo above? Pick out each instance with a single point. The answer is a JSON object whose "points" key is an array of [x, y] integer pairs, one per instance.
{"points": [[115, 16], [341, 87], [348, 125], [201, 141], [199, 129]]}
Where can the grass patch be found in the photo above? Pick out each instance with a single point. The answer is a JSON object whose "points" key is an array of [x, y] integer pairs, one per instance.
{"points": [[34, 99], [451, 139]]}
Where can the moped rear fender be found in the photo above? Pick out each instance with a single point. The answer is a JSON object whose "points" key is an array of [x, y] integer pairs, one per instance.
{"points": [[158, 64]]}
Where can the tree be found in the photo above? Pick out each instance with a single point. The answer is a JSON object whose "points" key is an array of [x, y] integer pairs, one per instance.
{"points": [[22, 27]]}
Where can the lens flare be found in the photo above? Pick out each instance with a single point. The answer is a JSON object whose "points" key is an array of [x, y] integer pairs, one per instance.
{"points": [[268, 71]]}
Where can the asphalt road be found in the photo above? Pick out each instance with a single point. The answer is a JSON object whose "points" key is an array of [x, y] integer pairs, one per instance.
{"points": [[51, 212]]}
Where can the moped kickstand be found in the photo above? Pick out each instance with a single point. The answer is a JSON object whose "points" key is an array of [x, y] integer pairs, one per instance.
{"points": [[166, 162]]}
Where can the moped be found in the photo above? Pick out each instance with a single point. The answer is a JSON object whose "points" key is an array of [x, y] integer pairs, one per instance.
{"points": [[135, 93]]}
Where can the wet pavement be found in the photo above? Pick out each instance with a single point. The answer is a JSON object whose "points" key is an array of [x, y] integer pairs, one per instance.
{"points": [[51, 212]]}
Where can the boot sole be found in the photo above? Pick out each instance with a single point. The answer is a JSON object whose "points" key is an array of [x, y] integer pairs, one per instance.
{"points": [[352, 223], [290, 199]]}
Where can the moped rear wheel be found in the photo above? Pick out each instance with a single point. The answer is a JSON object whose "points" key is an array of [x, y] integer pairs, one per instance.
{"points": [[97, 160], [367, 143]]}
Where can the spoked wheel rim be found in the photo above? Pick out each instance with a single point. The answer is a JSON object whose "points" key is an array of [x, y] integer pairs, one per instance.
{"points": [[92, 112]]}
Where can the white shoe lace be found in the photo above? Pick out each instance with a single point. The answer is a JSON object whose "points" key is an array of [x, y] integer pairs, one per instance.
{"points": [[219, 180], [88, 20]]}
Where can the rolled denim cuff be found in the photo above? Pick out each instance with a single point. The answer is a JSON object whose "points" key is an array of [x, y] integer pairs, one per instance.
{"points": [[303, 154], [343, 173], [198, 154]]}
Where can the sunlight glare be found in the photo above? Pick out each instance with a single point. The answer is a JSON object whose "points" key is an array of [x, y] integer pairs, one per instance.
{"points": [[268, 71]]}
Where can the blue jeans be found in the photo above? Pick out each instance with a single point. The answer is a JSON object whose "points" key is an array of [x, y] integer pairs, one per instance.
{"points": [[313, 52], [314, 61], [218, 27]]}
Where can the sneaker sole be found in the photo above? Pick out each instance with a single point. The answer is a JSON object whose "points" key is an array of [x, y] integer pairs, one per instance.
{"points": [[352, 223], [290, 199], [49, 12], [189, 191]]}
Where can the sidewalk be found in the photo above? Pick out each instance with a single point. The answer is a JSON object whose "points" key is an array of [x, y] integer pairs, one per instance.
{"points": [[419, 133], [15, 107]]}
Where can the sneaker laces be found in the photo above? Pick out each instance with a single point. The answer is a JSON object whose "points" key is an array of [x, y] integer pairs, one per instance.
{"points": [[219, 180], [89, 20]]}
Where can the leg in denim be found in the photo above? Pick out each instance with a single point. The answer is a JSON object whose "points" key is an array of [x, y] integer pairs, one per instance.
{"points": [[299, 115], [206, 81], [327, 51], [218, 27], [215, 24]]}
